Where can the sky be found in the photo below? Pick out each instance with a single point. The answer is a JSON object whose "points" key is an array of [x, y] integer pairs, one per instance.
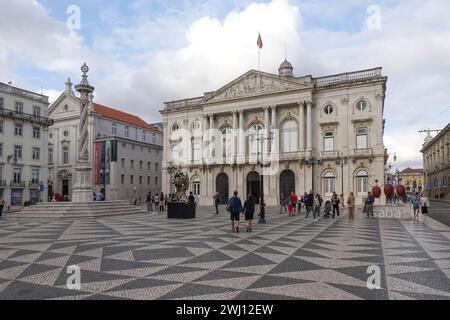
{"points": [[142, 53]]}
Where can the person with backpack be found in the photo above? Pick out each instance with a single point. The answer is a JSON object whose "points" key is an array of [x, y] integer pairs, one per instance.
{"points": [[415, 201], [249, 211], [235, 208], [335, 202]]}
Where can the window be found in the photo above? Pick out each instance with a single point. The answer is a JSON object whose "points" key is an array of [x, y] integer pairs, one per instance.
{"points": [[35, 176], [66, 107], [122, 179], [114, 129], [50, 155], [361, 138], [124, 145], [18, 129], [36, 133], [175, 153], [149, 164], [127, 132], [132, 164], [156, 181], [362, 183], [1, 126], [153, 139], [17, 175], [227, 142], [1, 104], [140, 179], [132, 147], [1, 173], [196, 125], [19, 108], [65, 155], [289, 136], [328, 109], [122, 163], [196, 186], [361, 105], [329, 184], [36, 154], [66, 133], [156, 167], [175, 127], [36, 111], [196, 154], [328, 141], [1, 150], [18, 152], [131, 179], [256, 139], [144, 135], [141, 164], [148, 180]]}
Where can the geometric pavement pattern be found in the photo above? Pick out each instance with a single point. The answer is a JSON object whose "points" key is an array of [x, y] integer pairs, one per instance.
{"points": [[147, 256]]}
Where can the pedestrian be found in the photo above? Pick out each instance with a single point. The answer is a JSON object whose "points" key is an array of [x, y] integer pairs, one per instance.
{"points": [[315, 209], [294, 200], [424, 204], [262, 212], [197, 200], [341, 199], [161, 202], [2, 205], [321, 202], [415, 201], [283, 203], [289, 207], [249, 211], [149, 202], [351, 206], [191, 198], [156, 201], [234, 206], [99, 196], [369, 205], [216, 199], [335, 202]]}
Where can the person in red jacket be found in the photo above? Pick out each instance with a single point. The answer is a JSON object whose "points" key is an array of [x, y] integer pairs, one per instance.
{"points": [[294, 200]]}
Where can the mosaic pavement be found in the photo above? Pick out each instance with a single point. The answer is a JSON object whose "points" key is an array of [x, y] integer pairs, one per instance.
{"points": [[149, 257]]}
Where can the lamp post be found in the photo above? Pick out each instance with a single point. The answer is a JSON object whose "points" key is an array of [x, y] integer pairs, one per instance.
{"points": [[341, 161], [258, 153]]}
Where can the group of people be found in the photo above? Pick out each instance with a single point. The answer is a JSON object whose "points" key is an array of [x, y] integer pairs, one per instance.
{"points": [[420, 203], [235, 208], [158, 202]]}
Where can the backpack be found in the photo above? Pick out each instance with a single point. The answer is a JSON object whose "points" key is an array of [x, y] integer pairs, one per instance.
{"points": [[230, 205]]}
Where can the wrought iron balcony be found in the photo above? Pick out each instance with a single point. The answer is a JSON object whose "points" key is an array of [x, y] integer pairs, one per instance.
{"points": [[26, 116], [17, 184], [34, 184]]}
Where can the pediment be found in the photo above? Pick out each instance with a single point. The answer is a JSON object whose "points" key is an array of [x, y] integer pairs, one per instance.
{"points": [[58, 108], [255, 83]]}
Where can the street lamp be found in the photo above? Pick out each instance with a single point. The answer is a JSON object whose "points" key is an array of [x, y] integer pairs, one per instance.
{"points": [[341, 161]]}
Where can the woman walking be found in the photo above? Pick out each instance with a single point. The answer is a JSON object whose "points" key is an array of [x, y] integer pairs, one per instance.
{"points": [[415, 201], [249, 211], [424, 204], [351, 206], [161, 202]]}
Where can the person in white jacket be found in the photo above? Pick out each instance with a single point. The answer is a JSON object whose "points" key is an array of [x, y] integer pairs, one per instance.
{"points": [[424, 204]]}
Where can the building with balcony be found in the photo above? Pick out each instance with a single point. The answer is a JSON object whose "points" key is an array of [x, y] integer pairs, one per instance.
{"points": [[436, 160], [126, 152], [24, 126], [266, 135]]}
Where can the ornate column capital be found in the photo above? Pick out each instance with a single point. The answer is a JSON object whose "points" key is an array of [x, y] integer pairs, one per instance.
{"points": [[309, 103], [266, 108]]}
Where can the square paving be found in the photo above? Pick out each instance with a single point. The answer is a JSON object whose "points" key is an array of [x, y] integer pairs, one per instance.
{"points": [[147, 256]]}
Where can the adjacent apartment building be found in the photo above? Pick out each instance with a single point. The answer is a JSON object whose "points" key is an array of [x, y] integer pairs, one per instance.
{"points": [[436, 160], [24, 126], [270, 134], [126, 152]]}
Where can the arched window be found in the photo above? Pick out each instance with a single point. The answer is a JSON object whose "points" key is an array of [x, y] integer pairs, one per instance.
{"points": [[196, 185], [195, 125], [175, 127], [227, 139], [328, 183], [289, 136], [328, 109], [256, 139], [361, 105], [362, 183]]}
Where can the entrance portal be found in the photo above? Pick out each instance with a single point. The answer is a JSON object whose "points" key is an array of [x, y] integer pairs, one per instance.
{"points": [[287, 182], [65, 187], [254, 186], [222, 187]]}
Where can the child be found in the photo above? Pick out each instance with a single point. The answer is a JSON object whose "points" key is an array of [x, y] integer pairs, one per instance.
{"points": [[290, 208]]}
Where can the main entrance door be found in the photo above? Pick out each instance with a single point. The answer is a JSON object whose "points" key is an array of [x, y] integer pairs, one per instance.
{"points": [[254, 185], [287, 182], [222, 187], [65, 187]]}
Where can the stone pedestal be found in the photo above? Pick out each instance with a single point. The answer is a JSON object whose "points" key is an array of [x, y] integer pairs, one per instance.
{"points": [[180, 210], [82, 188]]}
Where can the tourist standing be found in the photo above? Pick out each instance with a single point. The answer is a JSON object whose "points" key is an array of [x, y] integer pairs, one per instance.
{"points": [[262, 213], [235, 208], [335, 202], [161, 202], [191, 198], [216, 199], [149, 202], [351, 206], [156, 200], [283, 203], [369, 205], [341, 199], [294, 200], [249, 211], [2, 205], [415, 201], [424, 204]]}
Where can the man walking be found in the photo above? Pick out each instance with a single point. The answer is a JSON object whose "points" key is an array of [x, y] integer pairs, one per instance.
{"points": [[235, 208], [149, 202]]}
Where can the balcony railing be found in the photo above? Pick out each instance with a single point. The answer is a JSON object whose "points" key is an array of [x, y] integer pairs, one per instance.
{"points": [[26, 116], [351, 76], [329, 154], [2, 183], [366, 152], [34, 184], [17, 184]]}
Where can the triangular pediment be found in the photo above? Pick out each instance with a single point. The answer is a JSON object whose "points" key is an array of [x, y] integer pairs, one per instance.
{"points": [[254, 83], [58, 108]]}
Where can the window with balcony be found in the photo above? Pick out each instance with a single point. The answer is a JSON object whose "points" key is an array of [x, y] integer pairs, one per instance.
{"points": [[361, 138], [18, 152], [196, 186], [36, 111], [35, 176], [289, 136], [36, 153], [175, 153], [17, 176], [328, 141], [227, 142], [328, 183], [256, 139], [18, 107], [65, 155], [362, 183], [18, 129], [36, 133]]}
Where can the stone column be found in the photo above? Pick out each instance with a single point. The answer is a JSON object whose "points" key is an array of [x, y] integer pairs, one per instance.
{"points": [[266, 145], [301, 125], [82, 189], [241, 138], [309, 128], [235, 134], [275, 137]]}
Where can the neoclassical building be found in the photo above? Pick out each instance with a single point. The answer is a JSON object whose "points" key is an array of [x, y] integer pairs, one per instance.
{"points": [[267, 134]]}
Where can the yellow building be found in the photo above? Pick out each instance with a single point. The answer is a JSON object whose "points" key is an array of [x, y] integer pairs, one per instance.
{"points": [[412, 179]]}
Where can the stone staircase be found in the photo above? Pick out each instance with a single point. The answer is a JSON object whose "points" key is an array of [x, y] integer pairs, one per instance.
{"points": [[94, 209]]}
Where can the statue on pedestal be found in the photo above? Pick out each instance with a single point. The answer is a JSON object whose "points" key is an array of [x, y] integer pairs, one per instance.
{"points": [[181, 182]]}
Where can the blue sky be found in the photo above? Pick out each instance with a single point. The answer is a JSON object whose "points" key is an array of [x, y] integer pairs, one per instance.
{"points": [[145, 52]]}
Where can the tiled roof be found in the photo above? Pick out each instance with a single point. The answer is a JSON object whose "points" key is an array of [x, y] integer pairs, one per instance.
{"points": [[123, 116], [412, 171]]}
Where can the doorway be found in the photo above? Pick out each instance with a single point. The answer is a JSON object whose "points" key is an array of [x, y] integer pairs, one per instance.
{"points": [[222, 187], [65, 187], [254, 186]]}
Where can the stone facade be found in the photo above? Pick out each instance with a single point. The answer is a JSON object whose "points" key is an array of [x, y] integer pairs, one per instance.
{"points": [[23, 145], [136, 167], [297, 133], [436, 160]]}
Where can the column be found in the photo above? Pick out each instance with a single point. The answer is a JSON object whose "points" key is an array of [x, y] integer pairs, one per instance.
{"points": [[266, 145], [235, 134], [241, 139], [309, 126], [275, 136], [301, 125]]}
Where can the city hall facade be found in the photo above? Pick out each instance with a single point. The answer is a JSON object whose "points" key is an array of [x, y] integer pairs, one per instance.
{"points": [[267, 135]]}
